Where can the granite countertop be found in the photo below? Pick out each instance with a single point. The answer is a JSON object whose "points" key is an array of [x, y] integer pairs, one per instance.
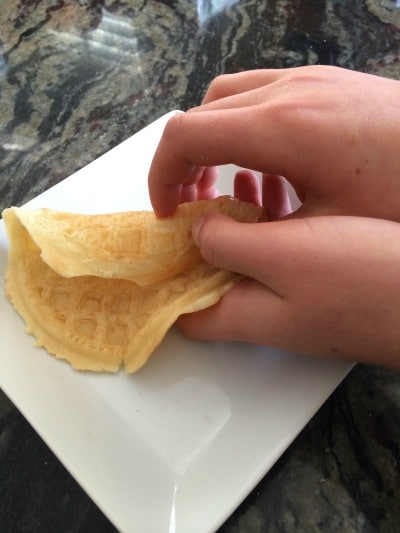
{"points": [[77, 78]]}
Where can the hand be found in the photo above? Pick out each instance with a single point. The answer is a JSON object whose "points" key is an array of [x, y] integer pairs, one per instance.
{"points": [[326, 286], [333, 133]]}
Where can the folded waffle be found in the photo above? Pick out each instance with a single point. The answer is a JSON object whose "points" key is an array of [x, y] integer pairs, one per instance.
{"points": [[101, 291]]}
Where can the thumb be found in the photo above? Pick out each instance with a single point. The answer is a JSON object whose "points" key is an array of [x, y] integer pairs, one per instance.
{"points": [[228, 244]]}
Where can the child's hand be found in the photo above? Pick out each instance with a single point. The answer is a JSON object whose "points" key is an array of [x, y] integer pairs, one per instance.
{"points": [[321, 286], [333, 133]]}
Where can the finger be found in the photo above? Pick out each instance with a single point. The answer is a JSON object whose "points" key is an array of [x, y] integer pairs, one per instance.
{"points": [[275, 197], [242, 100], [278, 253], [208, 194], [269, 252], [193, 141], [246, 187], [204, 189], [233, 84], [188, 194], [208, 179]]}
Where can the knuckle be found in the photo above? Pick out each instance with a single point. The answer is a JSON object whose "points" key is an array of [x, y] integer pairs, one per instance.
{"points": [[175, 126], [308, 74], [219, 87]]}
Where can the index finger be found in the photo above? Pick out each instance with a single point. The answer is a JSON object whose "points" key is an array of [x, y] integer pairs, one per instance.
{"points": [[193, 141]]}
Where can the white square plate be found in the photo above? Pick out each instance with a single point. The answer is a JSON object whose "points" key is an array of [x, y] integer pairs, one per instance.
{"points": [[177, 446]]}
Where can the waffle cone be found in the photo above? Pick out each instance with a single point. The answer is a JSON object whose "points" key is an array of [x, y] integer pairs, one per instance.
{"points": [[101, 291]]}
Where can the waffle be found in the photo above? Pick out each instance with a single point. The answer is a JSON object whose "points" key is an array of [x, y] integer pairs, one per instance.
{"points": [[101, 291], [136, 246]]}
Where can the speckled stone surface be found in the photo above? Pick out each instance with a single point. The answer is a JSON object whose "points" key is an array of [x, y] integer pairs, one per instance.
{"points": [[76, 78]]}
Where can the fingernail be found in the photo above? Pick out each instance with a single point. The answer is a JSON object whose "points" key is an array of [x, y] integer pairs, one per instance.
{"points": [[196, 228]]}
